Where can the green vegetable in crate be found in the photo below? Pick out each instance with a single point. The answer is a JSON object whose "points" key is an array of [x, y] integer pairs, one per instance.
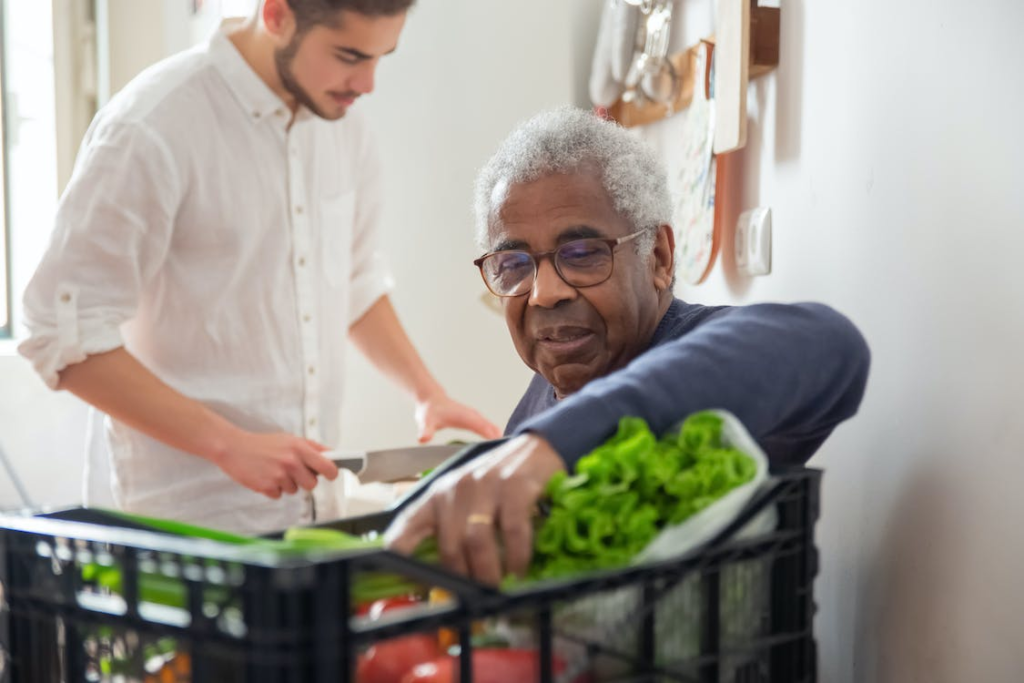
{"points": [[627, 490], [171, 591]]}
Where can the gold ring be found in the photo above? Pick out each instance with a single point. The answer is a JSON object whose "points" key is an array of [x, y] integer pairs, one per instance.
{"points": [[480, 518]]}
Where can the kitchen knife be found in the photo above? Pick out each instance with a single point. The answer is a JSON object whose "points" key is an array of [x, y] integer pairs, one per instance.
{"points": [[393, 464]]}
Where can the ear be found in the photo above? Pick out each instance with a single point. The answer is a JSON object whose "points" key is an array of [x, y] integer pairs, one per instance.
{"points": [[278, 18], [663, 264]]}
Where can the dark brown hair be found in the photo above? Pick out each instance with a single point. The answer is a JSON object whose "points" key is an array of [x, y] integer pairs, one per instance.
{"points": [[310, 13]]}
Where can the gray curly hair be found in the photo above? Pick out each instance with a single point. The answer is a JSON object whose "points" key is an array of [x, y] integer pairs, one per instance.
{"points": [[570, 140]]}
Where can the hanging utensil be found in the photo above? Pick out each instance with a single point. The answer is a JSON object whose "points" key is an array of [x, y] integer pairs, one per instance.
{"points": [[652, 76]]}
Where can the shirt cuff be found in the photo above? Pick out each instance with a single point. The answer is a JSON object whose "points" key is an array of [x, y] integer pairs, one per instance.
{"points": [[48, 357], [367, 288], [574, 428], [67, 339]]}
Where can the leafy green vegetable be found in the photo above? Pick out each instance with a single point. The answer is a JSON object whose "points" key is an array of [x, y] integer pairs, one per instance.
{"points": [[172, 590], [629, 488], [177, 528]]}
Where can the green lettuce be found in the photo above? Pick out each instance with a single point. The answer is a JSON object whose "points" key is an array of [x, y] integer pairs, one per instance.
{"points": [[628, 489]]}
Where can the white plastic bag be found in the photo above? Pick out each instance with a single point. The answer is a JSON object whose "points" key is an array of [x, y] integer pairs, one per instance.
{"points": [[611, 618], [678, 539]]}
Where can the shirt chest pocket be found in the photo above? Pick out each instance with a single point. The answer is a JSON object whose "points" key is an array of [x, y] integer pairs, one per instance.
{"points": [[336, 227]]}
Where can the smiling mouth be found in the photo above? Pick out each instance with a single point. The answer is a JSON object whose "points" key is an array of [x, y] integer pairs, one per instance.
{"points": [[565, 337], [566, 340]]}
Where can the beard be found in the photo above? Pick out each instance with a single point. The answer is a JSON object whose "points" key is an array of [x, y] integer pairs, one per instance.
{"points": [[283, 60]]}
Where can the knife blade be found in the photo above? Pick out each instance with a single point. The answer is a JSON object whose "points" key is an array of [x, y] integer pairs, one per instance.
{"points": [[393, 464]]}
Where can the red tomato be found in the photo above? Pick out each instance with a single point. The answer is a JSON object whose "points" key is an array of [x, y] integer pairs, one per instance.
{"points": [[377, 607], [389, 660], [490, 665]]}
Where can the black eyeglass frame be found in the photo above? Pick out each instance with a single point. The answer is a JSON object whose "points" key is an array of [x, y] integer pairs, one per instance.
{"points": [[612, 242]]}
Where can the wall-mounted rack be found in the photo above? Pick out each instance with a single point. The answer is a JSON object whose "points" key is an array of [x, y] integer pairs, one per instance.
{"points": [[746, 46]]}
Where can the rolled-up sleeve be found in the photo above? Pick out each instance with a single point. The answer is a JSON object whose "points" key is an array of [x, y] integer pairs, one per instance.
{"points": [[370, 277], [112, 232]]}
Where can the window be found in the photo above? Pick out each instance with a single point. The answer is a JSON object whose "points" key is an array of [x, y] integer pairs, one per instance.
{"points": [[28, 148], [5, 264], [55, 69]]}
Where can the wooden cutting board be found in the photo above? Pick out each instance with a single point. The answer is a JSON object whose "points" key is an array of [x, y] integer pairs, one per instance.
{"points": [[732, 74]]}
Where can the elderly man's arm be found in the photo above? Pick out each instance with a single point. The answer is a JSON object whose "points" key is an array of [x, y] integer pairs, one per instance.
{"points": [[790, 373]]}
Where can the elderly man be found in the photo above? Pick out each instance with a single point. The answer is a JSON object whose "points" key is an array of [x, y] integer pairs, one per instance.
{"points": [[574, 215]]}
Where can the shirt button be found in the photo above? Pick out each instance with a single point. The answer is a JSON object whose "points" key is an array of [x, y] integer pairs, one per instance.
{"points": [[312, 422], [279, 112], [65, 297], [298, 209], [312, 370], [302, 261], [255, 114], [306, 318]]}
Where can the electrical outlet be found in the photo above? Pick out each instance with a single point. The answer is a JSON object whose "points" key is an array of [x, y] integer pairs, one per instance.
{"points": [[753, 242]]}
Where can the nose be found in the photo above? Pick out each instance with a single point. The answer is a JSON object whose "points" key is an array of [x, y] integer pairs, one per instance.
{"points": [[363, 80], [549, 289]]}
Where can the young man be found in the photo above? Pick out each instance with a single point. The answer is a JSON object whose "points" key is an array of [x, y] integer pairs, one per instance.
{"points": [[213, 253], [574, 215]]}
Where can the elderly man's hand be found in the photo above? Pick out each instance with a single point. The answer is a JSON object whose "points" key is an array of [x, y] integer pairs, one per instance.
{"points": [[440, 412], [467, 508]]}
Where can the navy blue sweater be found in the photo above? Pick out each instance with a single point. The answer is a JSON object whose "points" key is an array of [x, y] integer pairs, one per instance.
{"points": [[790, 373]]}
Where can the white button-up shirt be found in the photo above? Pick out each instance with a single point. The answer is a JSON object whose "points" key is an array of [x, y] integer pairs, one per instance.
{"points": [[229, 252]]}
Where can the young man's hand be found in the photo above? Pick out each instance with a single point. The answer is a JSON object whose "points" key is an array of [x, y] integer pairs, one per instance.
{"points": [[273, 464], [440, 412], [467, 508]]}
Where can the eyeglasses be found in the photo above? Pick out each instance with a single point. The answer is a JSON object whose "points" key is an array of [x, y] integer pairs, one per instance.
{"points": [[580, 263]]}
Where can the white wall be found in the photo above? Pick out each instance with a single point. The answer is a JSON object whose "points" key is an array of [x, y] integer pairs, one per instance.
{"points": [[43, 435], [889, 147], [142, 32]]}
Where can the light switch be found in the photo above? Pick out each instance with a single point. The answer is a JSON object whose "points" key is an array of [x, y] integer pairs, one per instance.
{"points": [[753, 242]]}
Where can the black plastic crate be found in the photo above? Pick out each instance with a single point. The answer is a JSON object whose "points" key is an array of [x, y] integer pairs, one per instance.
{"points": [[740, 609]]}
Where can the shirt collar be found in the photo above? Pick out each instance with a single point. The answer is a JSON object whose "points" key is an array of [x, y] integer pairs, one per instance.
{"points": [[259, 102]]}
